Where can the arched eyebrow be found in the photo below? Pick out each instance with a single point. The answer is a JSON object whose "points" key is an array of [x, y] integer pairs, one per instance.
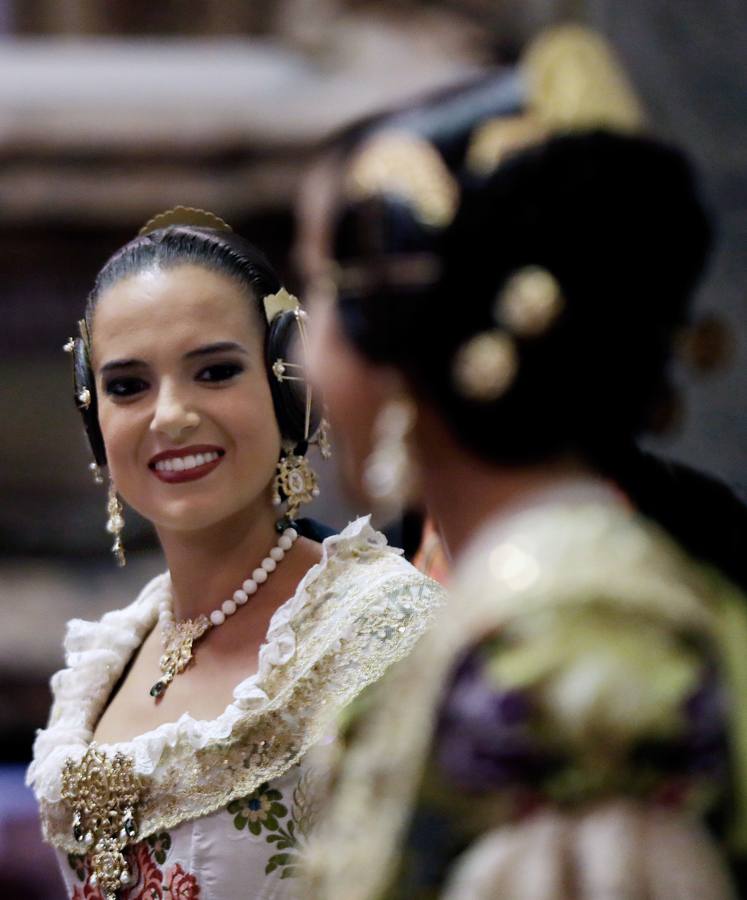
{"points": [[120, 364], [205, 350], [218, 347]]}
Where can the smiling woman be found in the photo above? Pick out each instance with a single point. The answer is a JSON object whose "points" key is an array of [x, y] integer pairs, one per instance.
{"points": [[176, 755]]}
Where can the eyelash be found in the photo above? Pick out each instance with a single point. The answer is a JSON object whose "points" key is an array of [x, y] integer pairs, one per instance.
{"points": [[125, 387], [122, 388]]}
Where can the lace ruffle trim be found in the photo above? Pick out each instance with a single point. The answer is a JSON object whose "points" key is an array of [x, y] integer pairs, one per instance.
{"points": [[97, 653]]}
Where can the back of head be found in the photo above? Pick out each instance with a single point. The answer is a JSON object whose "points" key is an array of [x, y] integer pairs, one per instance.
{"points": [[610, 222]]}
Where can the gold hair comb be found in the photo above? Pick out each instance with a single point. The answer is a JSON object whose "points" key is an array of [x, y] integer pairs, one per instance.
{"points": [[185, 215]]}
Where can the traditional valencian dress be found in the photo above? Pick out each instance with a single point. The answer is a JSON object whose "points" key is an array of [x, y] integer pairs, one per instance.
{"points": [[582, 696], [222, 808]]}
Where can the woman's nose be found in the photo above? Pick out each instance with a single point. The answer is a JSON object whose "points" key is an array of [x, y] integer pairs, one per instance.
{"points": [[173, 416]]}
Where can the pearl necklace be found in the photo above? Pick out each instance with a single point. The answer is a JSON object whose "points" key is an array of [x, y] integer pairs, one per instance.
{"points": [[178, 638]]}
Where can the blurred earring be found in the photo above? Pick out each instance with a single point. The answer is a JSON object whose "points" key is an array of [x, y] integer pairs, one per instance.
{"points": [[95, 471], [322, 439], [295, 481], [389, 473], [115, 523]]}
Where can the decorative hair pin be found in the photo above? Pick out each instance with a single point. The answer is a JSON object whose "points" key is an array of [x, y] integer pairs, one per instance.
{"points": [[279, 302], [485, 366], [406, 166], [529, 302], [527, 305], [574, 83]]}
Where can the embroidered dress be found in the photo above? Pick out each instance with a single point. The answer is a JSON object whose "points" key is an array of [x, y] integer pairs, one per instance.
{"points": [[584, 687], [226, 805]]}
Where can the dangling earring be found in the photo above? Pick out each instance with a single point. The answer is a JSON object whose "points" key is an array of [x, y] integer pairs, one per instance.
{"points": [[322, 439], [389, 474], [95, 471], [115, 523], [295, 481]]}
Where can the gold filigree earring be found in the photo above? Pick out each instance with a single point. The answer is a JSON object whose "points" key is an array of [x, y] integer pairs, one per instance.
{"points": [[295, 482], [389, 474], [115, 523]]}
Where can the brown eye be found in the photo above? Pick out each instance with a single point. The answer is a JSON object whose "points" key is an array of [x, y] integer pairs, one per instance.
{"points": [[219, 372]]}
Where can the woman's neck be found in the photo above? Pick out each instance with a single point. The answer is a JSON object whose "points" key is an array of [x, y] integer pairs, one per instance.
{"points": [[207, 566]]}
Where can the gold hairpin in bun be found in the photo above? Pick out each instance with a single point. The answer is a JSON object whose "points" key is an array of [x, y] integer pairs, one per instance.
{"points": [[185, 215], [575, 83], [408, 167]]}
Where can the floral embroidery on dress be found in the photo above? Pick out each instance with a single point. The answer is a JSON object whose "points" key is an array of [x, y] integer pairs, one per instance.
{"points": [[161, 844], [181, 885], [78, 864], [87, 892], [148, 878], [149, 881], [264, 809], [292, 838], [260, 809]]}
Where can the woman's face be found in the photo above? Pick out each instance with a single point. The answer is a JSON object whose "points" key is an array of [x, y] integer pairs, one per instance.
{"points": [[353, 389], [184, 402]]}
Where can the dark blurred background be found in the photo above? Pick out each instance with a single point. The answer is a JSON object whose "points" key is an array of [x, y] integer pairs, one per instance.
{"points": [[112, 111]]}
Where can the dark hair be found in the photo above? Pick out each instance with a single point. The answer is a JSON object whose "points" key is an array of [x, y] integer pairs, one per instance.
{"points": [[226, 253], [618, 221], [615, 218]]}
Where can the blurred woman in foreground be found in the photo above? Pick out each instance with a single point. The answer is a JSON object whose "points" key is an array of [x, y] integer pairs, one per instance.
{"points": [[501, 274]]}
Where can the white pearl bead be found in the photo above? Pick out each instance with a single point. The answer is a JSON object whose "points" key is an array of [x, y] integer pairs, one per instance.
{"points": [[228, 607], [290, 533], [269, 564], [285, 543], [164, 606], [315, 492], [259, 575], [277, 553], [165, 618], [250, 586], [217, 617], [240, 597]]}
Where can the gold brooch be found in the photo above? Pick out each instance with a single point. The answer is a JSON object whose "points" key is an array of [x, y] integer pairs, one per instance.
{"points": [[103, 793]]}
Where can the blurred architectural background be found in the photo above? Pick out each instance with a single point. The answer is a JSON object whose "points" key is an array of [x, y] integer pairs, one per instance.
{"points": [[112, 110]]}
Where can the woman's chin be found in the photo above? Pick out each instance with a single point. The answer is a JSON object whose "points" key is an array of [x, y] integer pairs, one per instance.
{"points": [[185, 517]]}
